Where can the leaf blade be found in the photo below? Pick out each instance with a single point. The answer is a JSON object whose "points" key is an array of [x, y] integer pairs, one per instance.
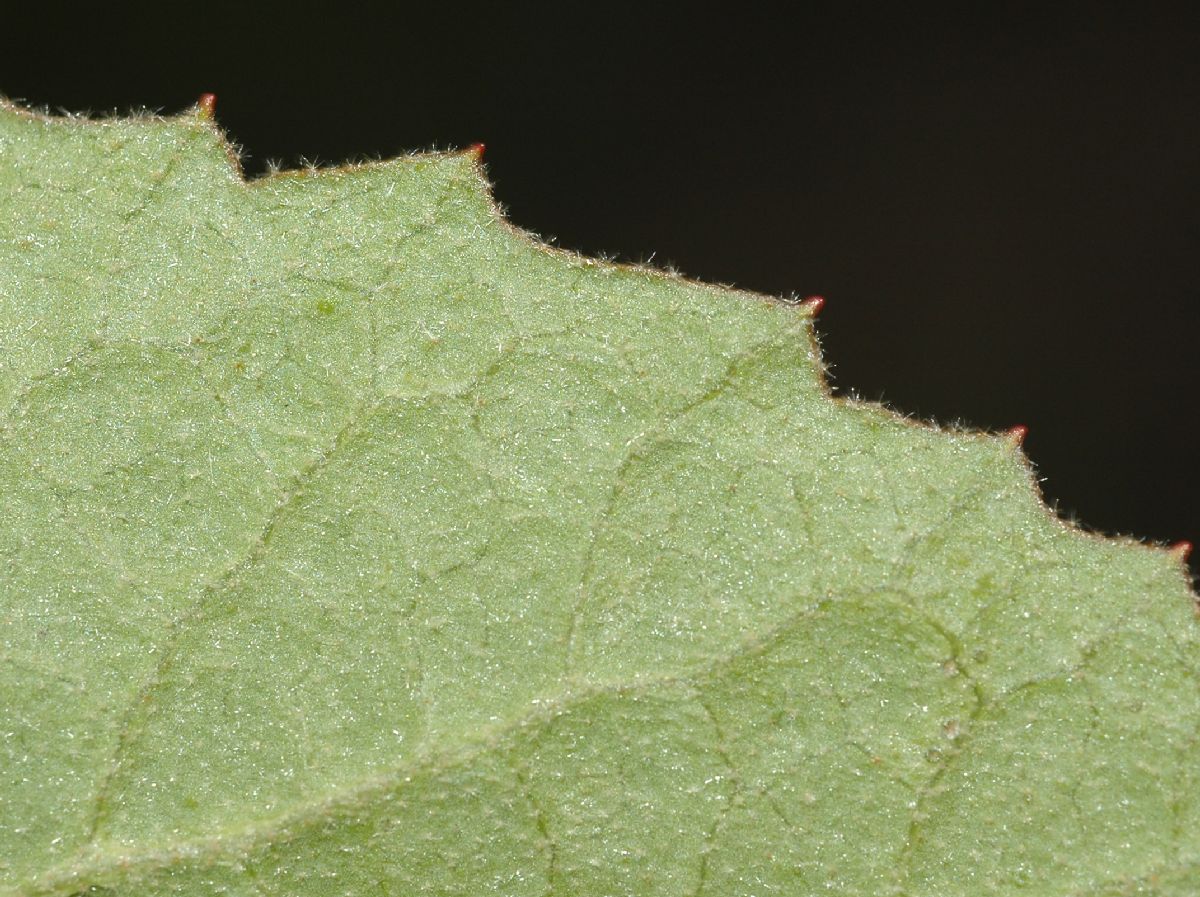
{"points": [[394, 551]]}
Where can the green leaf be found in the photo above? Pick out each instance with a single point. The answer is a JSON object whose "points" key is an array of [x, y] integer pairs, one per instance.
{"points": [[353, 542]]}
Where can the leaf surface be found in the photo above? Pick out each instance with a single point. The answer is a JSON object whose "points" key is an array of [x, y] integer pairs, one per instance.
{"points": [[353, 542]]}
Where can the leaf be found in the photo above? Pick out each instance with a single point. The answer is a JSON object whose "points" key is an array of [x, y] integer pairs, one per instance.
{"points": [[356, 543]]}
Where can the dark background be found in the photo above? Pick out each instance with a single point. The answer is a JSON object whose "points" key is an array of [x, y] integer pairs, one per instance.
{"points": [[1002, 207]]}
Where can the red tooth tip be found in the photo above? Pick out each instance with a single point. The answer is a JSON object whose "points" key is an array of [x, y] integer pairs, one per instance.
{"points": [[207, 104], [815, 304], [1182, 548], [1017, 434], [477, 149]]}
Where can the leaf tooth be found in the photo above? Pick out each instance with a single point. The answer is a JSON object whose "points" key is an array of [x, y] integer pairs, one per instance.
{"points": [[1016, 435], [206, 106]]}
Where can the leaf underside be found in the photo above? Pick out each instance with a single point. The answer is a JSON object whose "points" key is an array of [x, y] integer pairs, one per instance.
{"points": [[353, 542]]}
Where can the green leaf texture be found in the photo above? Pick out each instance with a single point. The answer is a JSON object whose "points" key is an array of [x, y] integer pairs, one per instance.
{"points": [[355, 543]]}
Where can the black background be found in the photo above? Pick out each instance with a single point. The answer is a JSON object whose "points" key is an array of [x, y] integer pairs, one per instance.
{"points": [[1002, 207]]}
